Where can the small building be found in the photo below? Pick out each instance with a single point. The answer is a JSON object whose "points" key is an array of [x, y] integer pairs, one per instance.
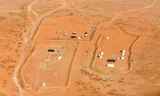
{"points": [[59, 57], [43, 84], [110, 65], [111, 60], [118, 58], [79, 37], [123, 54], [122, 58], [51, 50], [100, 54], [85, 33], [74, 32], [123, 51], [73, 36]]}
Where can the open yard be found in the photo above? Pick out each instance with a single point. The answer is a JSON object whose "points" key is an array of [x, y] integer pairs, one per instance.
{"points": [[50, 64], [79, 48]]}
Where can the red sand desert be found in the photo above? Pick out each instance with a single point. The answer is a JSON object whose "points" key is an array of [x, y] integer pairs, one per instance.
{"points": [[79, 48]]}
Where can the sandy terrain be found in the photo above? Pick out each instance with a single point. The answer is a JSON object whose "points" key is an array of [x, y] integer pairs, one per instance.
{"points": [[111, 44], [49, 65], [73, 26], [52, 47]]}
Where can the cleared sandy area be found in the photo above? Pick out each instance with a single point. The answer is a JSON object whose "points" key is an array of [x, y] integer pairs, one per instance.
{"points": [[51, 68], [31, 30], [13, 20], [56, 28], [111, 45]]}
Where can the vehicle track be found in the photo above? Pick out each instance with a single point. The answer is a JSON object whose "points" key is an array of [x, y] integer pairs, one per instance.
{"points": [[133, 10], [34, 26], [32, 29], [138, 37], [111, 24], [22, 58]]}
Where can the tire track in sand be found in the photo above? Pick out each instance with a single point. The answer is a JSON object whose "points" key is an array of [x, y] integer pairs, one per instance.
{"points": [[110, 23], [32, 29], [138, 37]]}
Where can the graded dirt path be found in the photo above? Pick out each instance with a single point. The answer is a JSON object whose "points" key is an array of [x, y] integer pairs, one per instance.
{"points": [[30, 30], [111, 24], [130, 11]]}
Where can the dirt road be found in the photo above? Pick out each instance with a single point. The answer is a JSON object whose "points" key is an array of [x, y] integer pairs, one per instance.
{"points": [[110, 23], [32, 29]]}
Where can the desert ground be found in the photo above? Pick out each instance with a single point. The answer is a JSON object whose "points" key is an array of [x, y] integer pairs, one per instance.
{"points": [[80, 48]]}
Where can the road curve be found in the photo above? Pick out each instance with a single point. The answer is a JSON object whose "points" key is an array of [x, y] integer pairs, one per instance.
{"points": [[133, 10], [110, 23], [32, 28]]}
